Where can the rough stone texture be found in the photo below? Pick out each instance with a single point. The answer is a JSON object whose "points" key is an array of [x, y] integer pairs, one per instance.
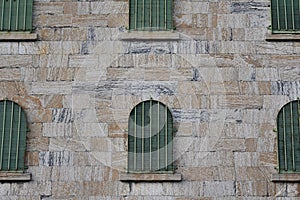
{"points": [[222, 80]]}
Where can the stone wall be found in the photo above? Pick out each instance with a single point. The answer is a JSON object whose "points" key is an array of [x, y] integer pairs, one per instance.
{"points": [[222, 80]]}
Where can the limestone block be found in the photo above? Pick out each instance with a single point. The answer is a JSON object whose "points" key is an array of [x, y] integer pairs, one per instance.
{"points": [[58, 130], [59, 144], [15, 60], [230, 144], [268, 159], [234, 101], [40, 173], [290, 88], [218, 189], [9, 48], [251, 144], [5, 189], [88, 20], [105, 8], [289, 73], [59, 158], [274, 48], [267, 74], [37, 144], [10, 74], [246, 158], [252, 188], [266, 144], [51, 88], [198, 173], [52, 101], [83, 61], [247, 130], [59, 20]]}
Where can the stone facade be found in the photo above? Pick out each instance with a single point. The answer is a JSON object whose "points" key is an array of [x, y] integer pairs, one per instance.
{"points": [[221, 78]]}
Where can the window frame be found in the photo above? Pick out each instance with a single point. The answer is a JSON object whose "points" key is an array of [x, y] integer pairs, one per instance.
{"points": [[278, 20], [288, 141], [150, 20], [13, 131], [132, 151]]}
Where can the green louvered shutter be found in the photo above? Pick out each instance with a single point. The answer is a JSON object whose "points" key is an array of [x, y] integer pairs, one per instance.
{"points": [[285, 16], [150, 138], [13, 128], [289, 138], [150, 14], [16, 15]]}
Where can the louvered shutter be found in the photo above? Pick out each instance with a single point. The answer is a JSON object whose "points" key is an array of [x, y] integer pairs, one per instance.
{"points": [[13, 128], [288, 138], [150, 138], [150, 14], [285, 16], [16, 15]]}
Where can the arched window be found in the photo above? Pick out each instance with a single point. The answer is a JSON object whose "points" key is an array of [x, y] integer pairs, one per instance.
{"points": [[289, 137], [150, 14], [150, 138], [13, 128]]}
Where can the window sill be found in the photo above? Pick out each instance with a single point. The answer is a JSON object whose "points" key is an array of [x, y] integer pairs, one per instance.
{"points": [[150, 35], [285, 178], [7, 176], [150, 177], [16, 36], [282, 37]]}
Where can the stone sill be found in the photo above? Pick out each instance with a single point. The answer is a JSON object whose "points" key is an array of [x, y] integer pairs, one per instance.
{"points": [[283, 37], [150, 177], [285, 177], [150, 35], [14, 176], [16, 36]]}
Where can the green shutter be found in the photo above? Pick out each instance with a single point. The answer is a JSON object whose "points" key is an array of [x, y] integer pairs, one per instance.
{"points": [[13, 127], [289, 138], [150, 138], [285, 16], [16, 15], [150, 14]]}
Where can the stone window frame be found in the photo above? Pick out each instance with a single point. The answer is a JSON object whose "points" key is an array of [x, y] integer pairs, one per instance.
{"points": [[285, 176], [140, 176], [21, 174]]}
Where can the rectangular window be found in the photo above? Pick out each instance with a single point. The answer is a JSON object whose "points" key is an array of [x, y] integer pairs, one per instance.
{"points": [[16, 15], [285, 16], [150, 15]]}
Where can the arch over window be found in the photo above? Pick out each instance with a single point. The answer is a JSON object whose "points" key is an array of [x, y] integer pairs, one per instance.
{"points": [[150, 14], [13, 128], [289, 137], [150, 138]]}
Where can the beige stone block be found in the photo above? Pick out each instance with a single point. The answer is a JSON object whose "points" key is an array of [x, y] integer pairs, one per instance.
{"points": [[251, 144], [198, 173], [39, 115], [32, 158], [52, 101], [230, 145], [89, 20], [59, 87], [59, 20], [16, 60], [233, 101], [246, 158], [9, 48], [74, 34], [38, 144], [118, 20], [268, 158], [28, 102]]}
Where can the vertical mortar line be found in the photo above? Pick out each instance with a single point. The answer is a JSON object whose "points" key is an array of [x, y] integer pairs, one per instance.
{"points": [[18, 138], [17, 15], [134, 145], [158, 142], [143, 133], [2, 135], [278, 14], [150, 136], [284, 140], [10, 134]]}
